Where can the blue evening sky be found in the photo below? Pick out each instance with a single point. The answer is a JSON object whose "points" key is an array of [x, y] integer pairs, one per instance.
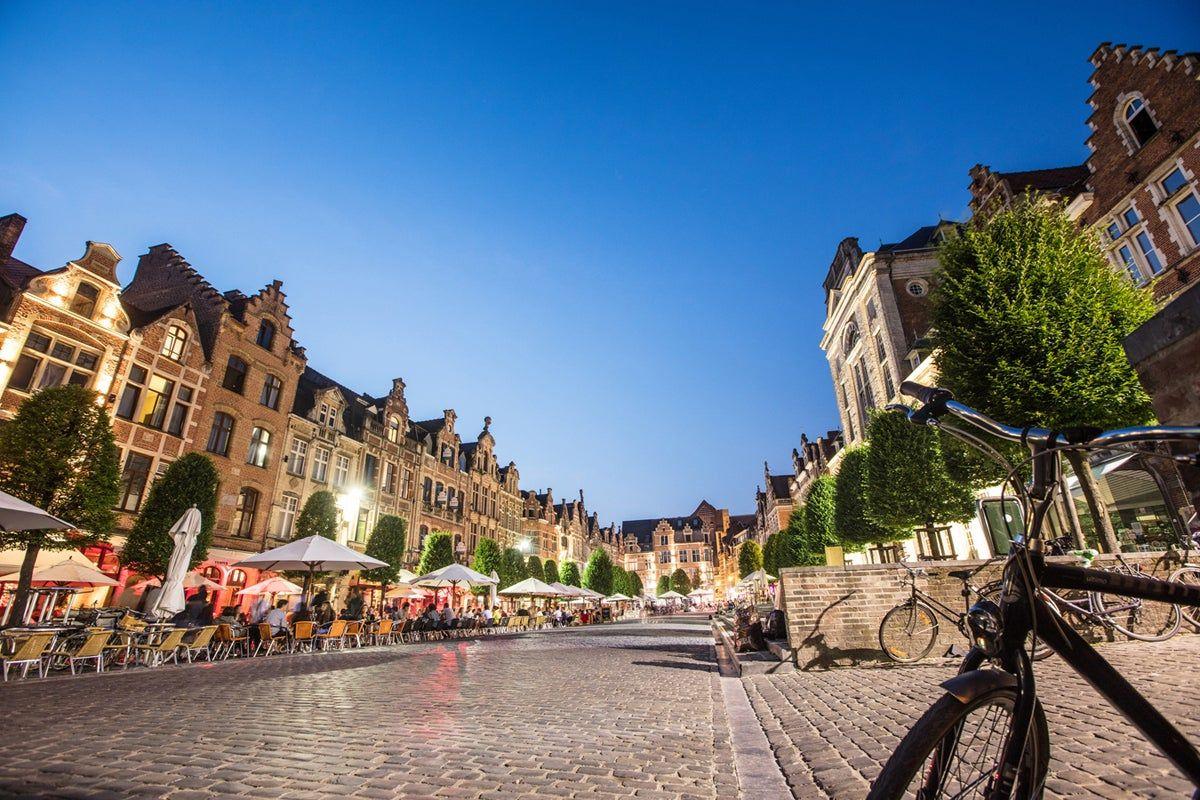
{"points": [[604, 224]]}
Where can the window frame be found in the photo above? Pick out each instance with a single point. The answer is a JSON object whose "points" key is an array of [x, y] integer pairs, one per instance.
{"points": [[128, 500], [174, 343], [266, 330], [272, 390], [238, 385], [216, 433], [259, 454]]}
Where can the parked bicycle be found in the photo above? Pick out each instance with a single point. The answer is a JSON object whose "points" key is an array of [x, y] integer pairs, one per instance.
{"points": [[910, 630], [1189, 573], [987, 736]]}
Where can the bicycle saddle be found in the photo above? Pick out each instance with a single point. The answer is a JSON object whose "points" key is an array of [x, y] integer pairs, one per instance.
{"points": [[961, 574]]}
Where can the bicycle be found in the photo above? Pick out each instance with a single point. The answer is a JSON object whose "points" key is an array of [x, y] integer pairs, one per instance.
{"points": [[910, 630], [1190, 573], [987, 735]]}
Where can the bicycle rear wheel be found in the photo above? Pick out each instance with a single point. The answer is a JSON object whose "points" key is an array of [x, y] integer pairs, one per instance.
{"points": [[953, 751], [908, 632], [1190, 576], [1144, 620]]}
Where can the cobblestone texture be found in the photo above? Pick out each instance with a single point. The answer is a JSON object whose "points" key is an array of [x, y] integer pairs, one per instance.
{"points": [[832, 731], [621, 711]]}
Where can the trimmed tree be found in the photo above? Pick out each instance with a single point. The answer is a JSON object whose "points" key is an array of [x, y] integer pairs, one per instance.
{"points": [[749, 558], [664, 585], [769, 553], [438, 552], [387, 542], [514, 568], [550, 569], [569, 574], [854, 528], [189, 481], [908, 484], [598, 574], [680, 582], [489, 558], [319, 517], [1029, 317], [790, 542], [819, 527], [58, 453], [620, 580], [534, 567], [635, 584]]}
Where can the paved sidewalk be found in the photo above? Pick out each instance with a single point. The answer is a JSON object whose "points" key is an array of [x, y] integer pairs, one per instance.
{"points": [[609, 712], [832, 731]]}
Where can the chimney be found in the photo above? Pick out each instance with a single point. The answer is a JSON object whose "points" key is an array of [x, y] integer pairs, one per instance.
{"points": [[10, 231]]}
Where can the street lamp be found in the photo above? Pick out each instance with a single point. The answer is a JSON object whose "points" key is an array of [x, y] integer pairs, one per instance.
{"points": [[524, 546]]}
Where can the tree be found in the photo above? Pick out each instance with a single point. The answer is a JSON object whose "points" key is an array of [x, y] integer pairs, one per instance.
{"points": [[387, 542], [598, 574], [319, 517], [535, 569], [569, 574], [664, 585], [489, 558], [908, 484], [853, 527], [635, 584], [58, 453], [819, 508], [620, 581], [438, 552], [680, 582], [749, 558], [1029, 316], [769, 554], [513, 568], [189, 481], [790, 548], [550, 568]]}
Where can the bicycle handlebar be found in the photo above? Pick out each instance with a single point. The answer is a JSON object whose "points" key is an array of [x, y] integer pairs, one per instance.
{"points": [[938, 402]]}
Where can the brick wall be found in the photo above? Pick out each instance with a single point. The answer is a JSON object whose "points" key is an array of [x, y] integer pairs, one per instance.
{"points": [[833, 613]]}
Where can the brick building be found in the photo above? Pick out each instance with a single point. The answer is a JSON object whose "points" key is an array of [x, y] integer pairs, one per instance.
{"points": [[774, 503], [659, 546]]}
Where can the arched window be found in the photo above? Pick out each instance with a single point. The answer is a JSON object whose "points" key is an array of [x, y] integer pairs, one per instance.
{"points": [[84, 301], [247, 509], [236, 581], [173, 344], [235, 375], [850, 339], [213, 574], [1141, 125], [271, 389], [266, 334]]}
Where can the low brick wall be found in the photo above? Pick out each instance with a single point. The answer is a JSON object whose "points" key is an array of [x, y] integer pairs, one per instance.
{"points": [[833, 613]]}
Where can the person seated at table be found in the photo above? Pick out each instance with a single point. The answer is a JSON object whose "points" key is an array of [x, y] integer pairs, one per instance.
{"points": [[322, 612], [522, 612], [488, 615], [277, 618], [229, 616], [431, 618], [448, 616], [196, 611], [354, 605]]}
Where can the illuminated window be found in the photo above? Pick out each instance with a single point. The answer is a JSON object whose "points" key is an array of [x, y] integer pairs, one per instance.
{"points": [[260, 447], [244, 514], [320, 464], [174, 342], [84, 301]]}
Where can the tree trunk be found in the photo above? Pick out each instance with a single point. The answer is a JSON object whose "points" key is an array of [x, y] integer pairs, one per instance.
{"points": [[25, 580], [1091, 493], [1067, 504]]}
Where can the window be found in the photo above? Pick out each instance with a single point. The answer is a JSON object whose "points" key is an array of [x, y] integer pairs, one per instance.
{"points": [[662, 540], [247, 508], [370, 468], [934, 544], [389, 477], [328, 416], [133, 481], [917, 288], [1131, 217], [260, 446], [851, 338], [360, 527], [393, 431], [298, 457], [236, 581], [341, 470], [46, 362], [320, 464], [266, 334], [269, 396], [220, 434], [862, 389], [128, 405], [406, 483], [235, 375], [872, 313], [1173, 182], [1148, 252], [173, 345], [1141, 124], [179, 412], [1114, 231], [84, 301], [1189, 214], [683, 556], [158, 396], [665, 557], [286, 520]]}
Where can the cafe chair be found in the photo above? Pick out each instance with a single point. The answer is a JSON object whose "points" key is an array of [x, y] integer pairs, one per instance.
{"points": [[91, 649], [31, 650], [155, 655], [200, 644]]}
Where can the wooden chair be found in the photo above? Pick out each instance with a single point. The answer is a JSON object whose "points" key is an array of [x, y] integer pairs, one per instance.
{"points": [[406, 630], [269, 641], [383, 632], [226, 641], [200, 643], [156, 655], [335, 635], [353, 634], [31, 650], [302, 636], [120, 648], [91, 649]]}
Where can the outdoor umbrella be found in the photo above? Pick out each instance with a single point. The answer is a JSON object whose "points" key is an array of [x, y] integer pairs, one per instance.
{"points": [[185, 530], [496, 577], [592, 594], [567, 591], [453, 576], [759, 576], [530, 587], [616, 598], [66, 573], [405, 591], [311, 554], [275, 585], [672, 595], [193, 580], [17, 515]]}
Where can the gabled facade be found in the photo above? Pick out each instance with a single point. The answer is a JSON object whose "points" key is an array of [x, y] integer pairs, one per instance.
{"points": [[658, 546]]}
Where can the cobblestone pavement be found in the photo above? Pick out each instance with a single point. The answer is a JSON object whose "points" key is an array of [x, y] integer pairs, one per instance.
{"points": [[624, 711], [832, 731]]}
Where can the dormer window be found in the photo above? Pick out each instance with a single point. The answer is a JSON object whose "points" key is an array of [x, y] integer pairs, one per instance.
{"points": [[393, 430], [328, 415], [1141, 125], [84, 301], [174, 342], [266, 334]]}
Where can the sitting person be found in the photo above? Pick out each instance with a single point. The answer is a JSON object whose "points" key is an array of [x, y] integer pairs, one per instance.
{"points": [[449, 618], [431, 618], [322, 612], [196, 611], [229, 616], [277, 618], [301, 613]]}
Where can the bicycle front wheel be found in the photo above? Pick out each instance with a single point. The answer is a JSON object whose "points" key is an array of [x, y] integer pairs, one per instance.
{"points": [[954, 751], [1190, 576], [908, 632], [1038, 650], [1144, 620]]}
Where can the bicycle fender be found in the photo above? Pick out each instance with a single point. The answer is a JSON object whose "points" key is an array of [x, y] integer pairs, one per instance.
{"points": [[970, 685]]}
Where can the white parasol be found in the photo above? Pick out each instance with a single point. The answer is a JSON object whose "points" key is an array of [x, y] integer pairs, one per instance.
{"points": [[185, 530]]}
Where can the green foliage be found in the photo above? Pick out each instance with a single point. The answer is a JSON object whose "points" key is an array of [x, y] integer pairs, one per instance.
{"points": [[598, 574], [513, 568], [387, 542], [58, 453], [853, 526], [550, 568], [620, 581], [908, 483], [1029, 317], [569, 574], [749, 558], [790, 542], [189, 481], [438, 552], [535, 569], [664, 585], [770, 553], [488, 556], [635, 584], [319, 516], [680, 582], [819, 510]]}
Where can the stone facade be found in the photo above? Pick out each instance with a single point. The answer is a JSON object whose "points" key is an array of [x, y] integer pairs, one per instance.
{"points": [[656, 547]]}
